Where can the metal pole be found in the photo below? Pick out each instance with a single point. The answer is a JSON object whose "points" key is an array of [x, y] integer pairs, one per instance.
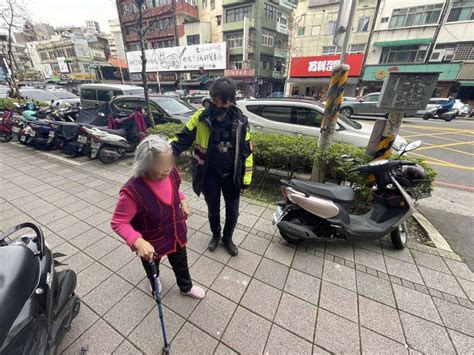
{"points": [[175, 24], [335, 96], [158, 81]]}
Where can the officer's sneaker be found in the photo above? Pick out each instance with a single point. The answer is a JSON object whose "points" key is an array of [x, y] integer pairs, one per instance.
{"points": [[213, 243], [230, 246]]}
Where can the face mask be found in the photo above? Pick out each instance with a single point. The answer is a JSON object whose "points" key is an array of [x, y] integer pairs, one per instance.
{"points": [[219, 111]]}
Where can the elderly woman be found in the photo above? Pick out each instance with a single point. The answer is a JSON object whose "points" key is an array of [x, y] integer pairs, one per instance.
{"points": [[151, 212]]}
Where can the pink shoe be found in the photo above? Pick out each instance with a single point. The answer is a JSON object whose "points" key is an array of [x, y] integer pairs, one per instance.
{"points": [[196, 292]]}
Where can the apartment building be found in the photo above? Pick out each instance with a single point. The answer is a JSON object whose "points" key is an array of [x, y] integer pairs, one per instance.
{"points": [[312, 49], [422, 36]]}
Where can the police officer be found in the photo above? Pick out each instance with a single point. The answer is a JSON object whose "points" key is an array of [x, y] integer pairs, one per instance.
{"points": [[222, 158]]}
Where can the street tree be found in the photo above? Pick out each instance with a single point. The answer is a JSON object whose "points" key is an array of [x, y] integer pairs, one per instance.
{"points": [[142, 30], [12, 19]]}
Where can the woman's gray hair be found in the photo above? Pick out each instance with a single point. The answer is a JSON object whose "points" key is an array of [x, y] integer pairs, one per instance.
{"points": [[146, 151]]}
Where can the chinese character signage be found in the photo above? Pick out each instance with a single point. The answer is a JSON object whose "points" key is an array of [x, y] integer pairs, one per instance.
{"points": [[249, 72], [321, 66], [210, 56]]}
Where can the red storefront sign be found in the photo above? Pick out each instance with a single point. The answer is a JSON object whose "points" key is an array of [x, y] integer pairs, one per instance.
{"points": [[249, 72], [321, 66]]}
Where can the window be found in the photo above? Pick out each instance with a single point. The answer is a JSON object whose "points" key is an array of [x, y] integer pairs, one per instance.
{"points": [[332, 50], [266, 63], [384, 19], [74, 68], [236, 62], [134, 46], [162, 24], [331, 27], [403, 54], [88, 94], [103, 95], [204, 4], [70, 52], [281, 18], [219, 20], [357, 48], [363, 24], [269, 12], [131, 29], [213, 4], [193, 39], [301, 31], [163, 44], [44, 55], [55, 67], [315, 30], [125, 105], [462, 10], [415, 16], [234, 40], [308, 117], [464, 51], [129, 9], [372, 98], [254, 108], [277, 113], [237, 14], [268, 39], [52, 55]]}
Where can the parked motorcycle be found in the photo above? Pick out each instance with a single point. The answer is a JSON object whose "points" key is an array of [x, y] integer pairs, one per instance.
{"points": [[317, 211], [10, 125], [37, 303], [437, 113]]}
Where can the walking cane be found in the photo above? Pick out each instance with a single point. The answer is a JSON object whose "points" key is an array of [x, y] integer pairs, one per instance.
{"points": [[154, 271]]}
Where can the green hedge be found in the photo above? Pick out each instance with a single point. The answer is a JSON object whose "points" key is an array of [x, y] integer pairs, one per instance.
{"points": [[296, 155], [9, 103]]}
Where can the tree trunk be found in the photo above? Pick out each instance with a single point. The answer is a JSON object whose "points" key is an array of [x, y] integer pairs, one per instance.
{"points": [[149, 116], [14, 93]]}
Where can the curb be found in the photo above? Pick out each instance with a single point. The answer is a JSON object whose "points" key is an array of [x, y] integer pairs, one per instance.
{"points": [[432, 232]]}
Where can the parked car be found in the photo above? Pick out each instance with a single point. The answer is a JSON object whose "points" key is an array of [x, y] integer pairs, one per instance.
{"points": [[276, 94], [196, 96], [239, 95], [165, 109], [460, 108], [39, 95], [93, 95], [303, 118], [66, 96], [366, 106]]}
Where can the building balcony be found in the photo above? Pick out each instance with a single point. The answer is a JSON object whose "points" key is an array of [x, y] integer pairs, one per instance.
{"points": [[280, 53], [186, 10], [278, 75], [237, 26], [235, 2], [281, 28], [239, 51]]}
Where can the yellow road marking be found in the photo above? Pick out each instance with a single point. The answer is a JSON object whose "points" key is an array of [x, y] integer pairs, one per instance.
{"points": [[434, 134], [442, 138], [445, 129], [445, 145], [458, 151], [444, 163]]}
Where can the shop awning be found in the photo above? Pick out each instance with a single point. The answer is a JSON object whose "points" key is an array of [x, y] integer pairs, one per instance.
{"points": [[403, 42], [466, 83], [118, 63], [318, 81]]}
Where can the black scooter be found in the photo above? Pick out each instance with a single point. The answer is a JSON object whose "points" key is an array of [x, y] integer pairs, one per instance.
{"points": [[322, 212], [37, 304]]}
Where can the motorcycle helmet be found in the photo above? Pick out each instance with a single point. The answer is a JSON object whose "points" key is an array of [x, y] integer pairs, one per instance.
{"points": [[411, 175]]}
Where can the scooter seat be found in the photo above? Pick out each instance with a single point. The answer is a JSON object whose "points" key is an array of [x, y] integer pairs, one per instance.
{"points": [[120, 132], [332, 192], [19, 270]]}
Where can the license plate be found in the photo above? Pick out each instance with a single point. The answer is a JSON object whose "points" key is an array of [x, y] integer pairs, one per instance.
{"points": [[16, 129], [23, 138], [82, 139], [32, 133], [51, 134], [278, 215]]}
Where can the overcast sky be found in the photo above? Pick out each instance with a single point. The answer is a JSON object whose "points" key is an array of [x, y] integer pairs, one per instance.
{"points": [[72, 12]]}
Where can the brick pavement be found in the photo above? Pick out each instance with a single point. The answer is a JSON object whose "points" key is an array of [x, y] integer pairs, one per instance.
{"points": [[273, 298]]}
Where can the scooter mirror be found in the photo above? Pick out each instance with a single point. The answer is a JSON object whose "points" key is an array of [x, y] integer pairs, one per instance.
{"points": [[412, 146], [347, 157]]}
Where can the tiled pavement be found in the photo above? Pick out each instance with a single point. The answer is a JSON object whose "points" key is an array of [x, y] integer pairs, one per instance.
{"points": [[273, 298]]}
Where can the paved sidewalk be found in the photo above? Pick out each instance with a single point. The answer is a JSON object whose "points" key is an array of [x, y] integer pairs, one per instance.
{"points": [[273, 298]]}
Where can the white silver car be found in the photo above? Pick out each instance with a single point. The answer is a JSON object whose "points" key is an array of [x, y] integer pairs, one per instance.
{"points": [[303, 118]]}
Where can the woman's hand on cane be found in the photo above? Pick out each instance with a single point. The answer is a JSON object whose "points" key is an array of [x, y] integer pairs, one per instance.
{"points": [[144, 249]]}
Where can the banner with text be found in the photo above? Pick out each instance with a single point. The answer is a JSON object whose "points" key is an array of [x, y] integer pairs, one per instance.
{"points": [[210, 56], [321, 66]]}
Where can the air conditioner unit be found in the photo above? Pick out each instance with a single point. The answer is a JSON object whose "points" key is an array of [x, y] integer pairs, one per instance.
{"points": [[448, 56], [437, 56]]}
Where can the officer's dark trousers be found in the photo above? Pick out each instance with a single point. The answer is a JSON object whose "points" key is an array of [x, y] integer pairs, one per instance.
{"points": [[214, 184]]}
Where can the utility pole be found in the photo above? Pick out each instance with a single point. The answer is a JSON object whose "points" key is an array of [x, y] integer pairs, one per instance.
{"points": [[175, 23], [339, 76]]}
